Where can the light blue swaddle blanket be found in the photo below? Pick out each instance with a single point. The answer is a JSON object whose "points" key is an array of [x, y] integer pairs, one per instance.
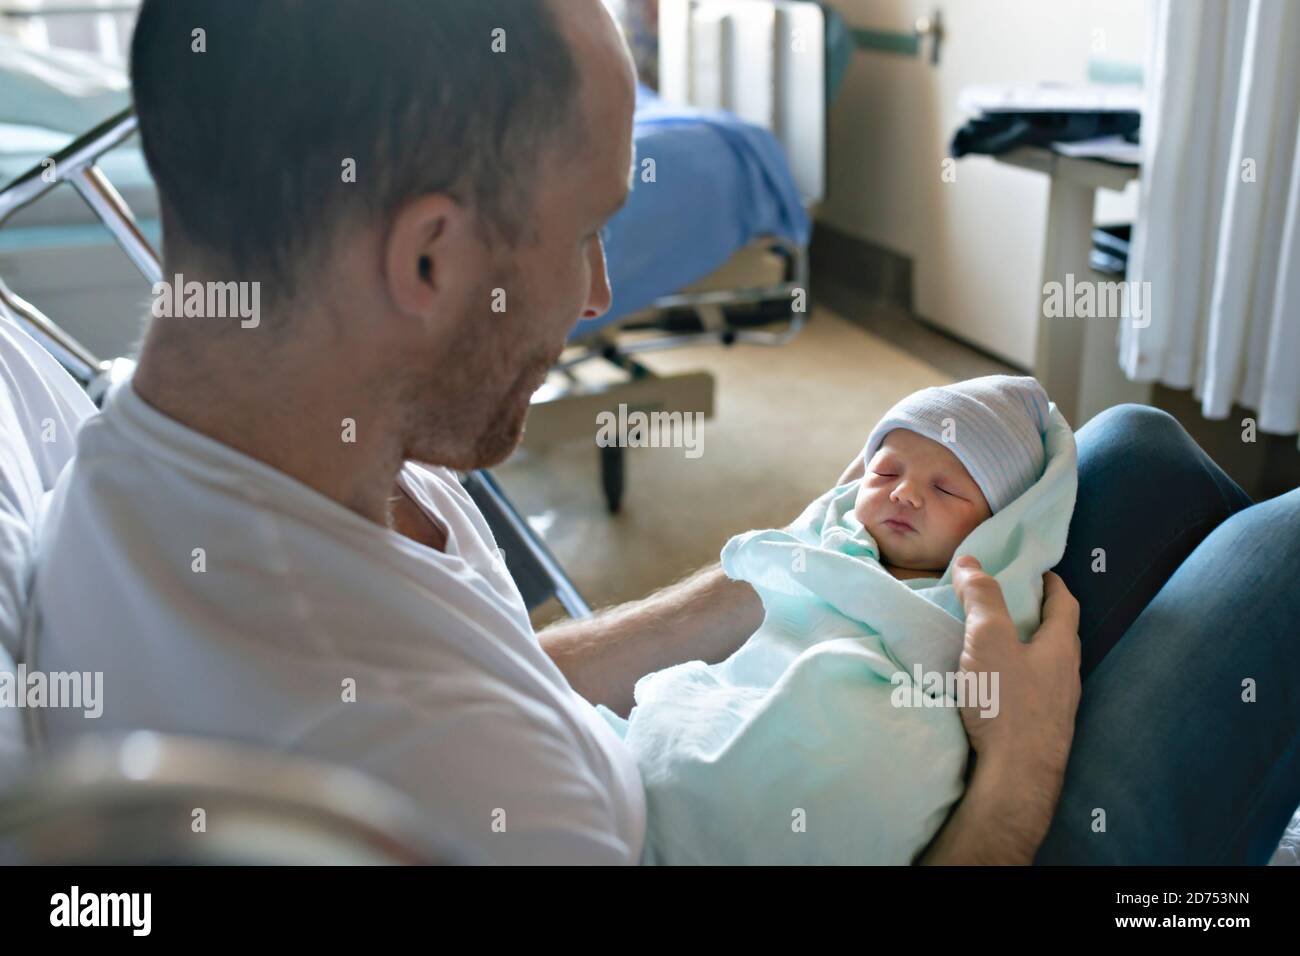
{"points": [[793, 749]]}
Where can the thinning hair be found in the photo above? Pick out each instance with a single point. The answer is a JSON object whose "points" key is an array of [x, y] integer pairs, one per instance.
{"points": [[249, 125]]}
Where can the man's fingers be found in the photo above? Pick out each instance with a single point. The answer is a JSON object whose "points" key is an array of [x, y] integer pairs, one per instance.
{"points": [[980, 593], [1059, 605]]}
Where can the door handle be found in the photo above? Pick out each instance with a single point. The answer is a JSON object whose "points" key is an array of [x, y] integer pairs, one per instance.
{"points": [[932, 27], [908, 44]]}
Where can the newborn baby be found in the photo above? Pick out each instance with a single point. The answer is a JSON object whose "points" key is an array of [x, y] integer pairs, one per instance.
{"points": [[799, 747], [942, 461]]}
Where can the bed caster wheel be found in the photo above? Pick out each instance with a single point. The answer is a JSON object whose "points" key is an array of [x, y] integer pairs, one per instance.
{"points": [[611, 476]]}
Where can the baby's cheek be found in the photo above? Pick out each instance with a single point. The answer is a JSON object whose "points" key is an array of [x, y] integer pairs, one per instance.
{"points": [[861, 505], [964, 526], [860, 512]]}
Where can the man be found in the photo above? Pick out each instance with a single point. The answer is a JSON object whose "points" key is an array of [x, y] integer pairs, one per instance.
{"points": [[244, 544]]}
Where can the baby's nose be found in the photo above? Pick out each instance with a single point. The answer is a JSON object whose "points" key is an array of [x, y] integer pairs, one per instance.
{"points": [[906, 493]]}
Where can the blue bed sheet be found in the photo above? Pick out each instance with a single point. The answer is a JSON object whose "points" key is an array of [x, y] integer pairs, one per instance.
{"points": [[719, 184]]}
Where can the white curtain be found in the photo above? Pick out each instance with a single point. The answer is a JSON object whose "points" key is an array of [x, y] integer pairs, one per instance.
{"points": [[1218, 231]]}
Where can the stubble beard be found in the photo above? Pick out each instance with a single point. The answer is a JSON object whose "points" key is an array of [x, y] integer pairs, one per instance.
{"points": [[460, 435]]}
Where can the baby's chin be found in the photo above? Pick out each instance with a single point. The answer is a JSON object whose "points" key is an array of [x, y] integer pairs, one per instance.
{"points": [[909, 562]]}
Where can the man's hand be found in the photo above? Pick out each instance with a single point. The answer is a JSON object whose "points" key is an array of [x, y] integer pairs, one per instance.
{"points": [[1038, 682], [704, 617], [1021, 753]]}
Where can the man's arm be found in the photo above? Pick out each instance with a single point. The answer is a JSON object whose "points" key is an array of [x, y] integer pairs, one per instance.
{"points": [[705, 617], [1002, 817], [1021, 753]]}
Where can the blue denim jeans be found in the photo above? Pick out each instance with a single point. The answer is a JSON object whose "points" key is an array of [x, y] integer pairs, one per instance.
{"points": [[1187, 742]]}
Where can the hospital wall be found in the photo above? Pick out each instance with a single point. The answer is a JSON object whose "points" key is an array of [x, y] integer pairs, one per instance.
{"points": [[976, 244]]}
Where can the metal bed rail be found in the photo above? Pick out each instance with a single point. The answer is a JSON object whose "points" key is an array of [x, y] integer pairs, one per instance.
{"points": [[129, 799], [76, 164]]}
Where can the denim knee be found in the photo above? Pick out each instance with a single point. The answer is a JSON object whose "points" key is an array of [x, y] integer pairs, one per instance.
{"points": [[1154, 446], [1131, 418], [1277, 519]]}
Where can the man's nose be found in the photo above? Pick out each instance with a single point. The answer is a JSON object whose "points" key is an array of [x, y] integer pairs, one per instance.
{"points": [[599, 296]]}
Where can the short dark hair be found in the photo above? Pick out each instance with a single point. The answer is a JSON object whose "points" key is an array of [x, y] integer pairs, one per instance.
{"points": [[247, 141]]}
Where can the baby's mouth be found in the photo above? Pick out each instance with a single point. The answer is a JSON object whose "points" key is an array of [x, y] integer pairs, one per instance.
{"points": [[898, 525]]}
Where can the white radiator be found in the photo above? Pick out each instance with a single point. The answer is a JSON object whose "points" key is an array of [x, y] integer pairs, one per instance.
{"points": [[764, 60]]}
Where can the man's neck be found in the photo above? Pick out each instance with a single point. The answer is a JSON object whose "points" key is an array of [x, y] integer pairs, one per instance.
{"points": [[317, 425]]}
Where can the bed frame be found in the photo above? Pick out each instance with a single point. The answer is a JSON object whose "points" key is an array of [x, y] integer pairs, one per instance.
{"points": [[765, 61]]}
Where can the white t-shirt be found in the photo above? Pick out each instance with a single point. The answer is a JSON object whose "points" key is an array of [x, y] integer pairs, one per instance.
{"points": [[221, 597]]}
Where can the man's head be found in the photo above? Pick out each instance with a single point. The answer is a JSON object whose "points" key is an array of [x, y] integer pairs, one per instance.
{"points": [[918, 501], [418, 185]]}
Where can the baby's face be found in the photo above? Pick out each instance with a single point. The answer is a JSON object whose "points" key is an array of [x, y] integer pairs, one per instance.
{"points": [[913, 481]]}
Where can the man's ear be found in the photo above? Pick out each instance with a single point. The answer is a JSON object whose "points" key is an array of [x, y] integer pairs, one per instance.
{"points": [[426, 251]]}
